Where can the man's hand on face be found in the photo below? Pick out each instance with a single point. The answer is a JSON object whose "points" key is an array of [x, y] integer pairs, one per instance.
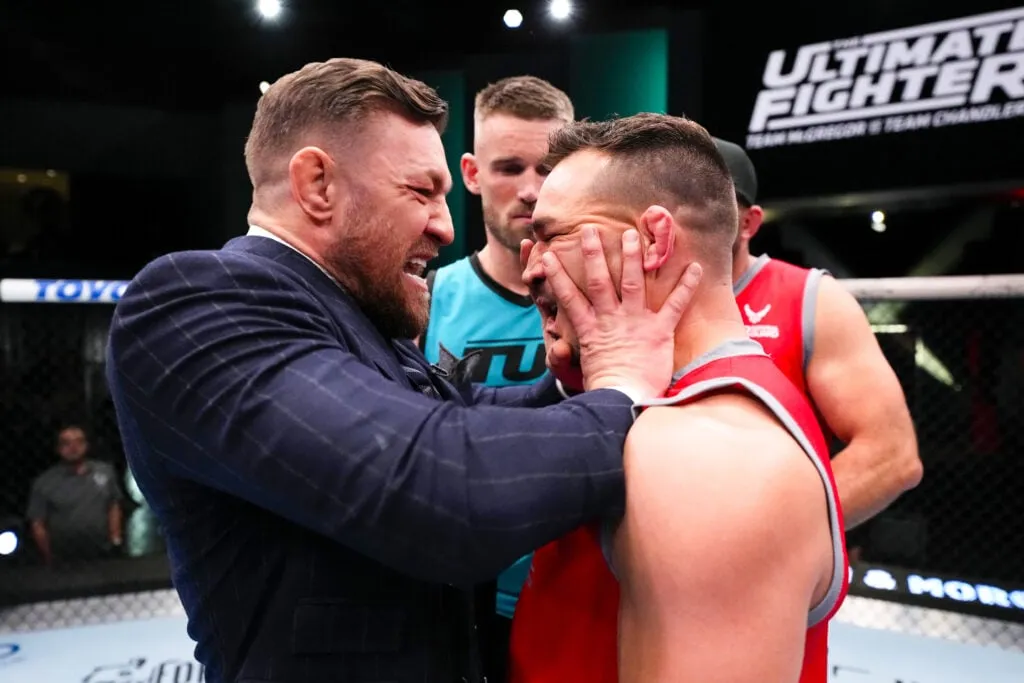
{"points": [[562, 360], [623, 343]]}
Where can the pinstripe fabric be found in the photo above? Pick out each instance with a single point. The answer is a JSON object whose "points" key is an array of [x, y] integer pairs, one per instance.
{"points": [[316, 502]]}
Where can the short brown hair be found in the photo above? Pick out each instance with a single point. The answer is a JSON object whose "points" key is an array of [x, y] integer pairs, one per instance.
{"points": [[664, 160], [525, 97], [338, 91]]}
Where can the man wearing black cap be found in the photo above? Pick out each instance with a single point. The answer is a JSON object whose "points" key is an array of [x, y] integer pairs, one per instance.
{"points": [[818, 335]]}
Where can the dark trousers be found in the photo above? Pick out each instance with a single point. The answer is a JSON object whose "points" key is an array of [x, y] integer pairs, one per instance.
{"points": [[494, 631], [496, 650]]}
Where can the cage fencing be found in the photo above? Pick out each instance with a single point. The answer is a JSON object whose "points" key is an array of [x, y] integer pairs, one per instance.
{"points": [[65, 530], [952, 546]]}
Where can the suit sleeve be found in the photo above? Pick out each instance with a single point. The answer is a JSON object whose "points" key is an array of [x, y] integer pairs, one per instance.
{"points": [[236, 379], [537, 395]]}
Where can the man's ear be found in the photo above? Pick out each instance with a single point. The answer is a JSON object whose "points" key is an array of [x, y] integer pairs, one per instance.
{"points": [[313, 181], [658, 237], [470, 173], [750, 222]]}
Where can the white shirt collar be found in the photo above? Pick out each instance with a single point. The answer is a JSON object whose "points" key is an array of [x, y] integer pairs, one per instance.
{"points": [[257, 231]]}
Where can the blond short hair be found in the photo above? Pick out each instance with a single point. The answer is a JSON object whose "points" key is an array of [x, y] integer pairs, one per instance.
{"points": [[524, 97]]}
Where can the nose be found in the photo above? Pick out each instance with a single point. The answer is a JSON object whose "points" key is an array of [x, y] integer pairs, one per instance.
{"points": [[530, 187], [533, 271], [440, 226]]}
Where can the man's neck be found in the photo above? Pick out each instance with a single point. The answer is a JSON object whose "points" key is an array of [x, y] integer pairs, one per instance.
{"points": [[77, 466], [288, 237], [708, 323], [741, 263], [503, 266]]}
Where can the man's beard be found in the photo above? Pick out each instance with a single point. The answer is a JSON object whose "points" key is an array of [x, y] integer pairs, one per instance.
{"points": [[507, 236], [372, 270]]}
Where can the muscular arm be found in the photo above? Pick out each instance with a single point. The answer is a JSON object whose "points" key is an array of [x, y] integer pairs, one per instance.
{"points": [[718, 570], [861, 401], [240, 385]]}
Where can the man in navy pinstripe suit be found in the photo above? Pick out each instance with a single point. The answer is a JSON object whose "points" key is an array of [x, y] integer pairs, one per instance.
{"points": [[328, 497]]}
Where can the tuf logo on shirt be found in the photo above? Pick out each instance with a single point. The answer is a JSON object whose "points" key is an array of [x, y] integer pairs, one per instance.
{"points": [[754, 327], [507, 361]]}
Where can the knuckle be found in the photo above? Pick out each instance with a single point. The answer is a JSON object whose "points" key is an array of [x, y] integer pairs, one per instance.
{"points": [[630, 285]]}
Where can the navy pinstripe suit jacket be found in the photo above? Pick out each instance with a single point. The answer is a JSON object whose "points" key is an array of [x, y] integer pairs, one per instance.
{"points": [[323, 515]]}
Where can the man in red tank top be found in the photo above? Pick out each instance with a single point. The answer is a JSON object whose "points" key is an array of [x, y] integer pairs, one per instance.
{"points": [[818, 335], [728, 561]]}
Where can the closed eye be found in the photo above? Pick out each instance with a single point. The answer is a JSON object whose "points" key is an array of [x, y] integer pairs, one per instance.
{"points": [[423, 193]]}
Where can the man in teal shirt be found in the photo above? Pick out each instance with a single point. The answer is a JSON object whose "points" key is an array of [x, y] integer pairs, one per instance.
{"points": [[479, 303]]}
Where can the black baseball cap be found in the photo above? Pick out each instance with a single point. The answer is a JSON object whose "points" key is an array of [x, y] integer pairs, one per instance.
{"points": [[744, 177]]}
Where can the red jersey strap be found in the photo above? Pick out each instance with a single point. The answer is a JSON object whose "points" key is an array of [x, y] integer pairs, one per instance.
{"points": [[779, 304], [754, 373]]}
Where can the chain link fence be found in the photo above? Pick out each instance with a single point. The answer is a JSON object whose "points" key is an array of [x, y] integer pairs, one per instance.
{"points": [[952, 548], [72, 522], [955, 544]]}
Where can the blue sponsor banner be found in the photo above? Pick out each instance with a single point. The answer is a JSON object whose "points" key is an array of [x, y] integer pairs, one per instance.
{"points": [[61, 291]]}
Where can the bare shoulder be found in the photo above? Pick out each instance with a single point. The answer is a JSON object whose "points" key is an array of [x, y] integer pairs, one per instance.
{"points": [[730, 437], [723, 465], [725, 539], [837, 309]]}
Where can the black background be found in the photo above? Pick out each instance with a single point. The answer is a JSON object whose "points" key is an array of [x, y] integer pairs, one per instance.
{"points": [[735, 60]]}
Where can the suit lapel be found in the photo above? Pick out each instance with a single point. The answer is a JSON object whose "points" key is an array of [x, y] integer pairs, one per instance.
{"points": [[413, 360], [375, 349]]}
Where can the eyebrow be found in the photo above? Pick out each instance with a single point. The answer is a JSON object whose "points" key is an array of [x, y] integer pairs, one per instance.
{"points": [[540, 225], [440, 183]]}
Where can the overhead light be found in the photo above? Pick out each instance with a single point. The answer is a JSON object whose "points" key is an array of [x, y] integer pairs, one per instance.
{"points": [[8, 542], [560, 9], [269, 9], [878, 221], [264, 87], [513, 18]]}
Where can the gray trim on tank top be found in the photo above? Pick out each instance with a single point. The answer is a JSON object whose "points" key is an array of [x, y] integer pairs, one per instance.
{"points": [[746, 347], [809, 312], [727, 349], [750, 273]]}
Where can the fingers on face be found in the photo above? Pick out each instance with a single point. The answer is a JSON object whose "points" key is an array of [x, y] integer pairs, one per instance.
{"points": [[600, 289], [570, 298], [682, 295], [633, 288]]}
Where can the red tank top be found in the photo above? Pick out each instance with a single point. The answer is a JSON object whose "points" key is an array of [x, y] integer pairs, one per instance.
{"points": [[565, 627], [777, 301]]}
